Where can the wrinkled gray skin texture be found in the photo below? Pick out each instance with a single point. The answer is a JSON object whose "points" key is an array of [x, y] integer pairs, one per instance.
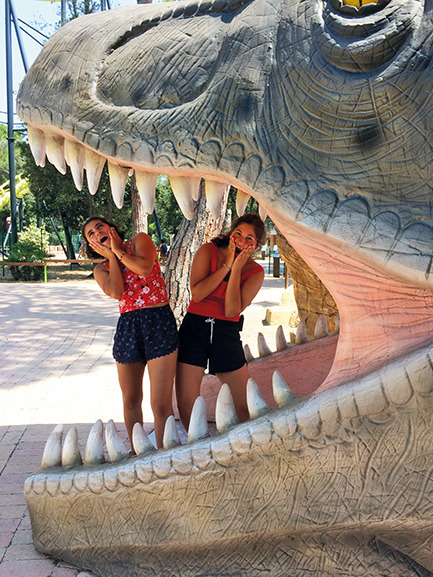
{"points": [[326, 119]]}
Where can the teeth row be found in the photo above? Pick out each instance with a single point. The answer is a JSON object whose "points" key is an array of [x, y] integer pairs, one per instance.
{"points": [[69, 456], [305, 422], [62, 151], [320, 331]]}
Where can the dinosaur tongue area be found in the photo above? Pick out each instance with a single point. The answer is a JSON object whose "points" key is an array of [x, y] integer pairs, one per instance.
{"points": [[382, 316]]}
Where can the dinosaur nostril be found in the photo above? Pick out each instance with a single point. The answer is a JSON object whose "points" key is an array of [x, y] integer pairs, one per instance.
{"points": [[358, 3]]}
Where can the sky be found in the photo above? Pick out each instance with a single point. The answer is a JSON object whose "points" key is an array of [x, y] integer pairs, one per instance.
{"points": [[42, 15]]}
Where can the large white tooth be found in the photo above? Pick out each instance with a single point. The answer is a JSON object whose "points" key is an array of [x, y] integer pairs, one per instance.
{"points": [[94, 166], [52, 456], [242, 199], [146, 184], [118, 176], [214, 195], [198, 428], [256, 405], [115, 447], [281, 342], [94, 452], [56, 151], [301, 333], [141, 442], [225, 414], [74, 154], [262, 213], [185, 190], [37, 144], [320, 330], [248, 354], [171, 438], [262, 346], [71, 456], [282, 394]]}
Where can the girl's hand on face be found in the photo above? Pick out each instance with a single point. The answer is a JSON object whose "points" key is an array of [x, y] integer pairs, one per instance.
{"points": [[115, 240], [242, 258], [231, 253], [100, 248]]}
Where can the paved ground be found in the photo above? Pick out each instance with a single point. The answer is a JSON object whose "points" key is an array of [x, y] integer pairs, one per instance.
{"points": [[56, 367]]}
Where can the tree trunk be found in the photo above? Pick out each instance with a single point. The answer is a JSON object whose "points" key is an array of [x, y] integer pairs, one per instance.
{"points": [[192, 234], [139, 217]]}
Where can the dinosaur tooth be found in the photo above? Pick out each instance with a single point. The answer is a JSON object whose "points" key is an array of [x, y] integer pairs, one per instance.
{"points": [[171, 438], [55, 151], [146, 184], [330, 416], [222, 451], [282, 394], [53, 485], [225, 414], [94, 164], [52, 455], [309, 420], [240, 440], [66, 483], [118, 176], [140, 440], [201, 456], [280, 339], [144, 471], [162, 466], [94, 452], [182, 461], [262, 212], [242, 199], [115, 447], [420, 373], [301, 333], [40, 484], [75, 156], [185, 192], [198, 427], [248, 354], [321, 329], [256, 405], [37, 144], [214, 194], [262, 346], [71, 456], [262, 435]]}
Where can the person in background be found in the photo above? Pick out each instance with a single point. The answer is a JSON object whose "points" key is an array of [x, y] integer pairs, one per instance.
{"points": [[224, 280], [146, 331]]}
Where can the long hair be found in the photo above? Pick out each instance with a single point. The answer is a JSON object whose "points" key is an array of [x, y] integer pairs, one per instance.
{"points": [[91, 254], [251, 218]]}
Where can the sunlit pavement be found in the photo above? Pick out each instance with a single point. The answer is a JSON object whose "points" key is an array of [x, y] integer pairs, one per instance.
{"points": [[56, 367]]}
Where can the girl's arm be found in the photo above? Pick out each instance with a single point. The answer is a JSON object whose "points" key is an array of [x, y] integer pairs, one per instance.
{"points": [[141, 262], [239, 297], [202, 281]]}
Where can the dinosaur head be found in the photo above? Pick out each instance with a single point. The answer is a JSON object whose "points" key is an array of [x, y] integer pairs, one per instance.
{"points": [[321, 111]]}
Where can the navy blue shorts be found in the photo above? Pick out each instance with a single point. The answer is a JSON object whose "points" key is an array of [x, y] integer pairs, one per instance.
{"points": [[203, 340], [145, 334]]}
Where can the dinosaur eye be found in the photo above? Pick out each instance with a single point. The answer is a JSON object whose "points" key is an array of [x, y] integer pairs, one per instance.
{"points": [[174, 65], [360, 7]]}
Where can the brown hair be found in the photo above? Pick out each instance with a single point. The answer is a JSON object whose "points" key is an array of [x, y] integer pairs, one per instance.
{"points": [[251, 218], [89, 252]]}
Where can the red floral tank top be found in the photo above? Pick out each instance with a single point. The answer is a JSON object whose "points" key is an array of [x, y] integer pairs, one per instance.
{"points": [[141, 291]]}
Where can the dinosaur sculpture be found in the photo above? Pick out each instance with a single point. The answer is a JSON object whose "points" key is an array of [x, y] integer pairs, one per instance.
{"points": [[321, 110]]}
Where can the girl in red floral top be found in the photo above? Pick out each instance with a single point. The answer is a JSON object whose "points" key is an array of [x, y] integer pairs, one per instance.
{"points": [[146, 331]]}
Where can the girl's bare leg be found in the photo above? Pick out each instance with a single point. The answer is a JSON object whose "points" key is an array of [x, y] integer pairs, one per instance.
{"points": [[237, 381], [131, 382], [188, 381], [161, 376]]}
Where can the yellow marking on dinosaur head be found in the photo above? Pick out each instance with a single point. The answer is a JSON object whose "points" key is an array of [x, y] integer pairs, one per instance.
{"points": [[359, 3]]}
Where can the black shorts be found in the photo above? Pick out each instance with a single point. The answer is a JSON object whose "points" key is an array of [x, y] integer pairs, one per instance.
{"points": [[145, 334], [202, 339]]}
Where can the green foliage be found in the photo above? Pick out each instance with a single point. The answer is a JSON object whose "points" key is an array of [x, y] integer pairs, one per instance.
{"points": [[31, 247], [168, 211], [4, 158]]}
